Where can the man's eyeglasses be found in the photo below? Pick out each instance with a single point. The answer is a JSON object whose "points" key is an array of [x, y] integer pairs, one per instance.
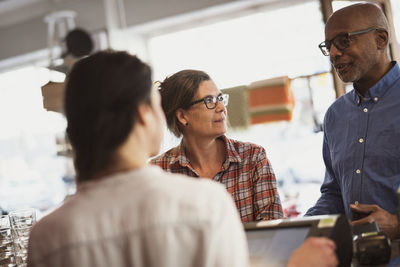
{"points": [[211, 101], [341, 41]]}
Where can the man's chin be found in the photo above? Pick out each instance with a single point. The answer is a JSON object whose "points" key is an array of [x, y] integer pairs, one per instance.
{"points": [[345, 78]]}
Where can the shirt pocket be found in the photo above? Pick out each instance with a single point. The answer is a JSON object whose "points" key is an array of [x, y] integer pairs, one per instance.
{"points": [[383, 153], [386, 144], [341, 147]]}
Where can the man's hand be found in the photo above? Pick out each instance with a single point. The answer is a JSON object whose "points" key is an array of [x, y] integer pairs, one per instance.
{"points": [[388, 223], [315, 251]]}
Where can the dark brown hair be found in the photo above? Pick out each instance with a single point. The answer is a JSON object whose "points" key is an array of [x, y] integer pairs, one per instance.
{"points": [[178, 91], [102, 95]]}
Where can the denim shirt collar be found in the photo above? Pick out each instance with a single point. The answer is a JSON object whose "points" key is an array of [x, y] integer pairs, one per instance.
{"points": [[381, 87]]}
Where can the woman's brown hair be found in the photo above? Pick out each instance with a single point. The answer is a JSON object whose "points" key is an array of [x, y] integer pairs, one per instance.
{"points": [[178, 91]]}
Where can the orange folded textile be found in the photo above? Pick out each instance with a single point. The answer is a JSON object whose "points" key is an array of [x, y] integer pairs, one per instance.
{"points": [[270, 100]]}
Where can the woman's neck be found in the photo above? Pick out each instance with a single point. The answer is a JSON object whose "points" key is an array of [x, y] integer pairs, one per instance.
{"points": [[122, 165], [205, 155], [131, 155]]}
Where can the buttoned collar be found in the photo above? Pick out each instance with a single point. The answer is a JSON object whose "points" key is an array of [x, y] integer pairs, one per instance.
{"points": [[377, 91]]}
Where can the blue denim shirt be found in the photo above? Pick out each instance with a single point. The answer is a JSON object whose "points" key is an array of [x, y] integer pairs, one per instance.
{"points": [[361, 149]]}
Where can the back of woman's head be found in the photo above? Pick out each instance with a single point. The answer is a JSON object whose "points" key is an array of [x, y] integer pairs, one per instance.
{"points": [[178, 91], [102, 95]]}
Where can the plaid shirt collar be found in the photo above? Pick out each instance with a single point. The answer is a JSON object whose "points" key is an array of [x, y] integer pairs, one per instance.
{"points": [[179, 156]]}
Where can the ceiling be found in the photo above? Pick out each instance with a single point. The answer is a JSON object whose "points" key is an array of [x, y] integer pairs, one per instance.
{"points": [[23, 29]]}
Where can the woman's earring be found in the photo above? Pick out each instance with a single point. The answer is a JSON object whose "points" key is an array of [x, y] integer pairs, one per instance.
{"points": [[186, 124]]}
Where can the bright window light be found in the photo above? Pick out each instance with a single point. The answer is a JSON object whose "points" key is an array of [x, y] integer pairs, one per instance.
{"points": [[246, 49], [30, 171], [255, 47], [396, 18]]}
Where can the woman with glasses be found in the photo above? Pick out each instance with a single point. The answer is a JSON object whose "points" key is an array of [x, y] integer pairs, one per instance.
{"points": [[196, 110]]}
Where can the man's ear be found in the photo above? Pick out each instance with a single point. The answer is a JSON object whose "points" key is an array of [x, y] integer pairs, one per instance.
{"points": [[382, 39], [181, 116]]}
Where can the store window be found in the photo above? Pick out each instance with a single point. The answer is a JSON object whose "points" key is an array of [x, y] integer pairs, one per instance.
{"points": [[261, 46], [238, 51], [396, 18], [30, 171]]}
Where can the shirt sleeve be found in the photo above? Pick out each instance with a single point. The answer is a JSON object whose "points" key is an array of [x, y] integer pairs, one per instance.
{"points": [[267, 204], [330, 201]]}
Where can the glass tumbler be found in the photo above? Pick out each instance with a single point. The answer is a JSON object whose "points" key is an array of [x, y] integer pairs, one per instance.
{"points": [[21, 223], [7, 251]]}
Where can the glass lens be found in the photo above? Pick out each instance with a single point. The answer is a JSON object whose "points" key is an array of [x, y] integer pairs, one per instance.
{"points": [[341, 41], [224, 99], [210, 101], [323, 47]]}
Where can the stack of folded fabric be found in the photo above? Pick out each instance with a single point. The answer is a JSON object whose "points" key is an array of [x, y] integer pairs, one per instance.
{"points": [[270, 100], [262, 101]]}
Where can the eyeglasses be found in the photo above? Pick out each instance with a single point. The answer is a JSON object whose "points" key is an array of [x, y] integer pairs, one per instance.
{"points": [[341, 41], [211, 101]]}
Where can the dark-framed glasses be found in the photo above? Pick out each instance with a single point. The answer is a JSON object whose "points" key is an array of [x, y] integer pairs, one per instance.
{"points": [[341, 41], [211, 101]]}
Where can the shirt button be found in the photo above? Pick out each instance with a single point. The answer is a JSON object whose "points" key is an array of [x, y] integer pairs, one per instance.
{"points": [[365, 110], [361, 140], [358, 171], [375, 99]]}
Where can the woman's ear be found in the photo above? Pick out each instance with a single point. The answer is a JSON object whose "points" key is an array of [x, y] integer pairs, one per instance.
{"points": [[142, 113], [382, 39], [181, 116]]}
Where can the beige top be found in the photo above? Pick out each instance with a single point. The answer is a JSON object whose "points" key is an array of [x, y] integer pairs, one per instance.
{"points": [[145, 217]]}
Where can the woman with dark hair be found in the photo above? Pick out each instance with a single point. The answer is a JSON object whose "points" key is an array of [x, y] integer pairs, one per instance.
{"points": [[124, 213], [196, 109]]}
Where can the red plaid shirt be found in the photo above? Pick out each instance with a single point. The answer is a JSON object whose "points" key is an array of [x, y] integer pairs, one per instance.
{"points": [[246, 174]]}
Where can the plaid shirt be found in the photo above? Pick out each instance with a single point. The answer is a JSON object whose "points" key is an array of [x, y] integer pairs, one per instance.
{"points": [[246, 174]]}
